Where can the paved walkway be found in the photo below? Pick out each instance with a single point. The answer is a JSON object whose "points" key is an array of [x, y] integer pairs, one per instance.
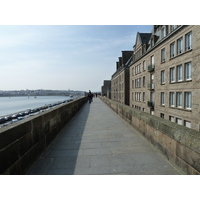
{"points": [[98, 141]]}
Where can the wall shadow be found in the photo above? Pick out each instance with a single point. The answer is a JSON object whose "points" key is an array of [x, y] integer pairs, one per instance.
{"points": [[60, 158]]}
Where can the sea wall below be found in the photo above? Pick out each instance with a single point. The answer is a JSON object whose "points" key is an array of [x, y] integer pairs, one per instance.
{"points": [[179, 144], [23, 142]]}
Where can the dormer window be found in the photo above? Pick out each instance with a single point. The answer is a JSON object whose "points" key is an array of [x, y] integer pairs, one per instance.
{"points": [[152, 42], [163, 32], [172, 27]]}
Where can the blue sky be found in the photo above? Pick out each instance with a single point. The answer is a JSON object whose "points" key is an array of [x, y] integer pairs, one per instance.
{"points": [[76, 57]]}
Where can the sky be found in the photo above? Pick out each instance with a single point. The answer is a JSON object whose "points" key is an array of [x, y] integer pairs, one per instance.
{"points": [[62, 57], [62, 45]]}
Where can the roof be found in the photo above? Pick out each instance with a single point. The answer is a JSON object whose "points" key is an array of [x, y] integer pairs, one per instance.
{"points": [[145, 37]]}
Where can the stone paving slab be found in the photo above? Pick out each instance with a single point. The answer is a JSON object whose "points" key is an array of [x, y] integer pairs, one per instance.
{"points": [[98, 142]]}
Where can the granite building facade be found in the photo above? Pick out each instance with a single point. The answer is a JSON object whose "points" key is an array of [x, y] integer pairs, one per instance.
{"points": [[120, 79], [161, 76], [165, 74]]}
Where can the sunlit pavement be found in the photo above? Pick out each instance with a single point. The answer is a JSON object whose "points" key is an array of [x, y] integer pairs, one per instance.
{"points": [[98, 142]]}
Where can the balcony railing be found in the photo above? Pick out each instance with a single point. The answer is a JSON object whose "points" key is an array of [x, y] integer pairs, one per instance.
{"points": [[150, 104], [151, 67]]}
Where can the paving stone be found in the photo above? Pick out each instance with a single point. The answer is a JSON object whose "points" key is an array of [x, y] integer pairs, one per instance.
{"points": [[100, 160], [102, 151], [98, 142]]}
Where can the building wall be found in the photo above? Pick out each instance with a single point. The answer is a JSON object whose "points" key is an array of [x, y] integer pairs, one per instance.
{"points": [[105, 89], [181, 115], [118, 86], [179, 144]]}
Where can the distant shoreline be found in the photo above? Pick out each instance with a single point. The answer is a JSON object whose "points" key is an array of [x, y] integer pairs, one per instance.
{"points": [[33, 95]]}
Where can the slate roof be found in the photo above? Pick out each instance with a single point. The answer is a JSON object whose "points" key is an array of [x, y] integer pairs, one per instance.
{"points": [[145, 37]]}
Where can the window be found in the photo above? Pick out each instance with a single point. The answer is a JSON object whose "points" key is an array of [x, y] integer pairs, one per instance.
{"points": [[143, 81], [133, 71], [187, 123], [162, 115], [152, 60], [188, 100], [179, 99], [152, 42], [140, 67], [162, 98], [152, 96], [179, 73], [163, 77], [144, 65], [171, 100], [188, 71], [132, 95], [171, 118], [163, 55], [138, 82], [132, 83], [172, 50], [172, 27], [163, 32], [179, 121], [144, 96], [179, 46], [172, 74], [188, 41]]}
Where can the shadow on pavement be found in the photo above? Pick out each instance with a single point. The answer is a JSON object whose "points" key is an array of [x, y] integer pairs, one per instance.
{"points": [[60, 158]]}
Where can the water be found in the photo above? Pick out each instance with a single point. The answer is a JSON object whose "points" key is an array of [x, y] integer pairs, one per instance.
{"points": [[10, 105]]}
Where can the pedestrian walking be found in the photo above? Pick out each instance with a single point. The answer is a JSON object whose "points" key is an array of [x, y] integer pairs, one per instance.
{"points": [[90, 96]]}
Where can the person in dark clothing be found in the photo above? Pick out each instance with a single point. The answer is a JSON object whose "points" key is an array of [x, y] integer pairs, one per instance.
{"points": [[90, 96]]}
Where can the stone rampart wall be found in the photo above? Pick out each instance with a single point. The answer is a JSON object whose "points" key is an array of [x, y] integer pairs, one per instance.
{"points": [[23, 142], [180, 145]]}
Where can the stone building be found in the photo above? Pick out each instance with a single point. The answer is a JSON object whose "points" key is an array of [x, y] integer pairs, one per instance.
{"points": [[120, 79], [106, 89], [165, 74]]}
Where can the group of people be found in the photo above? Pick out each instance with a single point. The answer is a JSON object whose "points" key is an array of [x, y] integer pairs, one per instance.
{"points": [[90, 96]]}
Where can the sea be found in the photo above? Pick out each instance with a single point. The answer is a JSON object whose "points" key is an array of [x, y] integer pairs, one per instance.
{"points": [[11, 105]]}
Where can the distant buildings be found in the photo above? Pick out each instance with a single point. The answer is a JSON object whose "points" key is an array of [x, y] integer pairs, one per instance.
{"points": [[120, 79], [161, 76], [106, 89], [40, 92]]}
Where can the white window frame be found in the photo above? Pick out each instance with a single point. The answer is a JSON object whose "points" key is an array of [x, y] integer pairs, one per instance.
{"points": [[171, 118], [172, 50], [179, 121], [179, 99], [188, 71], [162, 98], [188, 100], [179, 73], [172, 74], [187, 124], [188, 41], [163, 32], [171, 99], [163, 55], [180, 46], [163, 77], [152, 60]]}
